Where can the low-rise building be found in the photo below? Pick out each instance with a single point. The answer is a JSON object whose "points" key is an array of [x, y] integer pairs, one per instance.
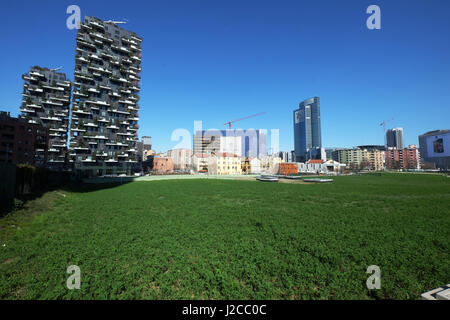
{"points": [[245, 165], [255, 166], [288, 168], [162, 165], [270, 164], [228, 163], [200, 163]]}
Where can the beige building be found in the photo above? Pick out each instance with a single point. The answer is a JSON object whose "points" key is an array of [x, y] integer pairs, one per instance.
{"points": [[375, 159], [228, 163], [181, 158], [357, 158], [148, 153], [270, 164]]}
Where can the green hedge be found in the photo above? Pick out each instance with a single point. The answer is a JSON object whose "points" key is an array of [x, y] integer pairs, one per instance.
{"points": [[7, 185], [22, 181]]}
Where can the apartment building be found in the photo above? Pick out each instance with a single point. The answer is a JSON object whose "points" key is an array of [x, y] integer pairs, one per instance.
{"points": [[104, 126], [351, 157], [375, 159], [407, 158], [22, 142], [181, 158], [46, 102], [228, 163], [357, 158]]}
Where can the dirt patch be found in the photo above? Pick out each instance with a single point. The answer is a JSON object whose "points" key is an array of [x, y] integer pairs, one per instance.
{"points": [[10, 260]]}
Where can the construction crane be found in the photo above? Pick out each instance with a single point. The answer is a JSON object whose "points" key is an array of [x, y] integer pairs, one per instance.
{"points": [[247, 117], [384, 123]]}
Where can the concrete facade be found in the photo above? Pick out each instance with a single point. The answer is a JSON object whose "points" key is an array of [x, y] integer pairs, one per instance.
{"points": [[181, 158], [46, 101], [22, 142], [105, 98]]}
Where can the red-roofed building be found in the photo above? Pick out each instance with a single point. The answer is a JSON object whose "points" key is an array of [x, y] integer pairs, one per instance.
{"points": [[318, 161]]}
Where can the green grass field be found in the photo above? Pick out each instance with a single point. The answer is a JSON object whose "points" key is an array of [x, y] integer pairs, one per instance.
{"points": [[226, 239]]}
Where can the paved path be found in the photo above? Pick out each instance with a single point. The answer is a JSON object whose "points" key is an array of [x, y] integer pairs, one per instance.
{"points": [[170, 177]]}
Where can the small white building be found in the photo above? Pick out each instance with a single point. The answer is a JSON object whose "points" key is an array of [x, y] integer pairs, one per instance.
{"points": [[255, 166]]}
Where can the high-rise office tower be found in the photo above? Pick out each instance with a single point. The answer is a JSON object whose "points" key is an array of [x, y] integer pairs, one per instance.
{"points": [[394, 138], [105, 98], [307, 132], [147, 143], [46, 101]]}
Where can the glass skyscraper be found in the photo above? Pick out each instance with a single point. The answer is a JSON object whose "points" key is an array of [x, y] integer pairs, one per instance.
{"points": [[307, 131], [394, 138]]}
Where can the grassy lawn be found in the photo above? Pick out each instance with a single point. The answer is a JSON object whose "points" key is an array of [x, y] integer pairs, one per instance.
{"points": [[225, 239]]}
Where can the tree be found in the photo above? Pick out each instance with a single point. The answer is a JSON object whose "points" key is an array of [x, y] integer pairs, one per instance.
{"points": [[364, 165]]}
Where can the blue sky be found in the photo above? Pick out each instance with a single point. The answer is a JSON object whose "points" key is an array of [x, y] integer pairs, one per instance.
{"points": [[221, 60]]}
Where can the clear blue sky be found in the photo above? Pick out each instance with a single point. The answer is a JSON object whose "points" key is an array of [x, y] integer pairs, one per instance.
{"points": [[216, 61]]}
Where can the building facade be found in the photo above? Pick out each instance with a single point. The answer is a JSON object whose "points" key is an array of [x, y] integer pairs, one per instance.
{"points": [[375, 159], [228, 163], [351, 157], [360, 159], [181, 158], [245, 143], [255, 166], [435, 148], [284, 156], [147, 142], [394, 138], [162, 165], [105, 106], [407, 158], [46, 101], [22, 142], [287, 168], [307, 130], [203, 163]]}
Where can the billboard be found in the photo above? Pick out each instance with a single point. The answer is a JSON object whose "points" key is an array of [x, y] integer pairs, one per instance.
{"points": [[438, 145]]}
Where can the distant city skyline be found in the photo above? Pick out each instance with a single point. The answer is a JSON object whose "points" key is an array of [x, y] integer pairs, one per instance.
{"points": [[235, 62]]}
